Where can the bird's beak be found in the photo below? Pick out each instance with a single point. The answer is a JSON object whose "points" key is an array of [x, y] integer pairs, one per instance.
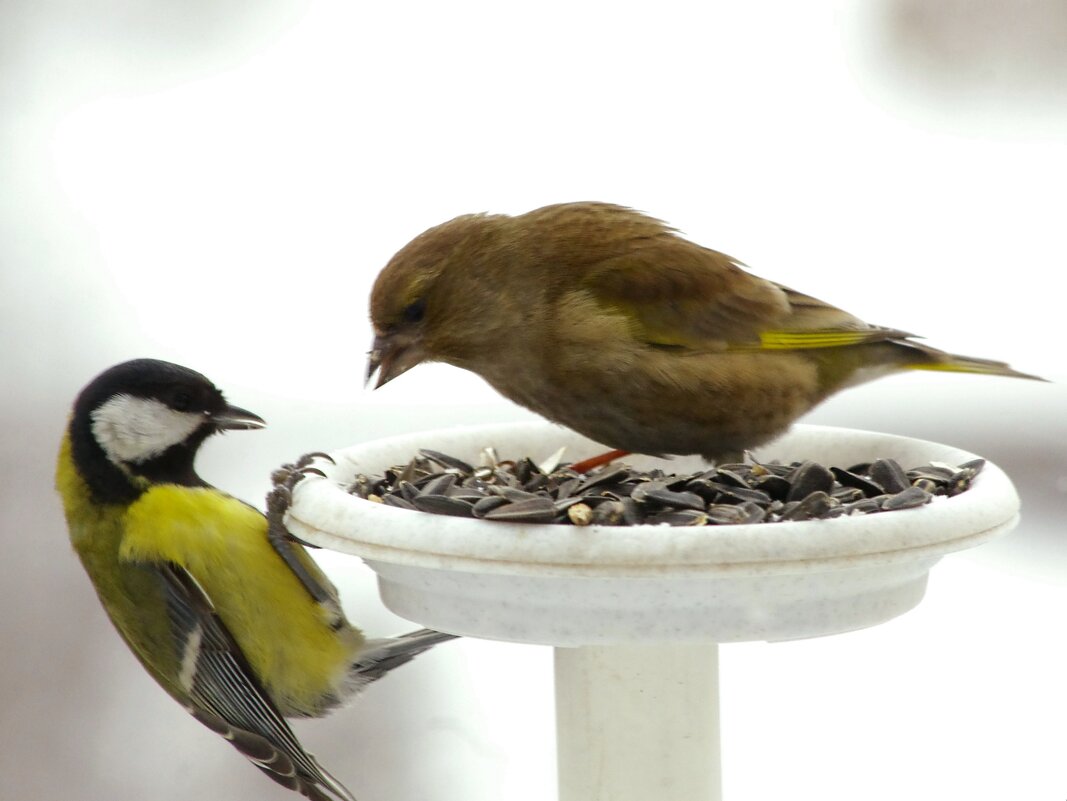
{"points": [[234, 418], [391, 355]]}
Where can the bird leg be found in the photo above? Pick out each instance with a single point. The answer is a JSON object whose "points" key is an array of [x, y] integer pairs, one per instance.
{"points": [[599, 460], [279, 498]]}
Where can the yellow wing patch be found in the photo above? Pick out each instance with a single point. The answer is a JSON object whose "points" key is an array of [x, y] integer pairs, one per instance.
{"points": [[827, 338]]}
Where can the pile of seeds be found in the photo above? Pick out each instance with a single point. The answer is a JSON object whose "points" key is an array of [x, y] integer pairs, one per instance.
{"points": [[618, 495]]}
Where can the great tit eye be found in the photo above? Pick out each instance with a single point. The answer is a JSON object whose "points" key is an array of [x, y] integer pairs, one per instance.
{"points": [[414, 312], [181, 401]]}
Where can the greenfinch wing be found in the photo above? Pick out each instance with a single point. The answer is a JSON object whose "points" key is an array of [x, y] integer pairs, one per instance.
{"points": [[675, 294]]}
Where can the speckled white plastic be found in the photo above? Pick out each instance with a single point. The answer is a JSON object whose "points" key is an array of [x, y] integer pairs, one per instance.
{"points": [[599, 585], [635, 612]]}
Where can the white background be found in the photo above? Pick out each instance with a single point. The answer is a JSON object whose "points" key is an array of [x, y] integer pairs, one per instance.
{"points": [[217, 183]]}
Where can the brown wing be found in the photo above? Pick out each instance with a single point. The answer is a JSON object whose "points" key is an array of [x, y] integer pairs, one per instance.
{"points": [[678, 293]]}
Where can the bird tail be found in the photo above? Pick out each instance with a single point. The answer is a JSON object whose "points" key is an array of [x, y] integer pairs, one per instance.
{"points": [[320, 787], [940, 361], [381, 656]]}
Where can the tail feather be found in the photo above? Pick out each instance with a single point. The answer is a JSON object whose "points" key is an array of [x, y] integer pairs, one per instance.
{"points": [[940, 361], [383, 655]]}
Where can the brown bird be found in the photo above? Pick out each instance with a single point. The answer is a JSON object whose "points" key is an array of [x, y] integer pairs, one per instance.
{"points": [[609, 322]]}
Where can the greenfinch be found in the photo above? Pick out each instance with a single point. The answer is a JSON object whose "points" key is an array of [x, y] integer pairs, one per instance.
{"points": [[233, 620], [609, 322]]}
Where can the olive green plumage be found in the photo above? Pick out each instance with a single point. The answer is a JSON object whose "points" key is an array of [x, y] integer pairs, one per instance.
{"points": [[607, 321], [239, 626]]}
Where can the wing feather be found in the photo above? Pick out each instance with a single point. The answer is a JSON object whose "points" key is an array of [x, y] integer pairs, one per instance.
{"points": [[226, 696], [678, 294]]}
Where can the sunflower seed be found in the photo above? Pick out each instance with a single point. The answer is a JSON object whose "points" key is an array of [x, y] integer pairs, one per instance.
{"points": [[889, 475], [606, 478], [631, 512], [678, 500], [754, 513], [474, 484], [563, 504], [598, 499], [531, 510], [776, 487], [856, 481], [641, 491], [535, 482], [736, 514], [446, 461], [925, 484], [408, 490], [847, 495], [611, 513], [567, 487], [549, 465], [907, 499], [396, 500], [527, 492], [679, 517], [731, 477], [960, 482], [488, 458], [525, 470], [515, 494], [742, 494], [504, 477], [809, 478], [438, 485], [443, 505], [487, 504], [815, 504], [866, 506], [726, 514]]}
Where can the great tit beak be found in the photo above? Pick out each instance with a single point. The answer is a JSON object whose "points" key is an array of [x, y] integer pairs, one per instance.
{"points": [[234, 418], [391, 355]]}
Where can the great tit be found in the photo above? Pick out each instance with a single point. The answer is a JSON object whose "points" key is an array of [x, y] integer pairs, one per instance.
{"points": [[241, 628]]}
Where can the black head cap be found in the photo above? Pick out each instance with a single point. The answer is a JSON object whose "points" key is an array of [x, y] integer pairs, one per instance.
{"points": [[175, 408]]}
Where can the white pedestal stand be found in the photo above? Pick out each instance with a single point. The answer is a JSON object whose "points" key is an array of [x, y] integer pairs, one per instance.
{"points": [[648, 716], [635, 613]]}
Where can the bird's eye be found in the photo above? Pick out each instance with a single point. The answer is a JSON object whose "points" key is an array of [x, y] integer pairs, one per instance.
{"points": [[414, 312], [181, 401]]}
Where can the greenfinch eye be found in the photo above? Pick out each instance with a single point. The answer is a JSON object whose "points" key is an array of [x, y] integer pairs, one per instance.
{"points": [[414, 312]]}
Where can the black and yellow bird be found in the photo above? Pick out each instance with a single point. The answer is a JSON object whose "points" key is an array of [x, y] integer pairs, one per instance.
{"points": [[227, 613]]}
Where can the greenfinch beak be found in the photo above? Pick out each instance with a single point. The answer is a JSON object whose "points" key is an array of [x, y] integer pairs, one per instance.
{"points": [[392, 355], [234, 418]]}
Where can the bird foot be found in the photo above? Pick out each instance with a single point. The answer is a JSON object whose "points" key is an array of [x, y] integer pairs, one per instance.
{"points": [[291, 473], [279, 499]]}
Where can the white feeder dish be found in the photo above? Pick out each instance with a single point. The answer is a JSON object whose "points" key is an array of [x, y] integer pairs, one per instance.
{"points": [[635, 722]]}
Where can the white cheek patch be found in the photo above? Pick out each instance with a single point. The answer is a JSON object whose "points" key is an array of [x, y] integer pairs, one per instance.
{"points": [[134, 430]]}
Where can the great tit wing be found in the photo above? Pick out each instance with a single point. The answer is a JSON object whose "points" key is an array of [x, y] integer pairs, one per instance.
{"points": [[226, 696]]}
